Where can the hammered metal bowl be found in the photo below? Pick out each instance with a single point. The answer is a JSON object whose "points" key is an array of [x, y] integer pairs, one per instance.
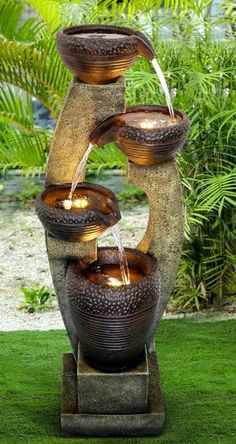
{"points": [[113, 323], [150, 145], [77, 226], [98, 53]]}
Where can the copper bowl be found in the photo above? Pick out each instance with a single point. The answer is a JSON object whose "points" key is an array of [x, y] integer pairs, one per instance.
{"points": [[77, 226], [146, 134], [98, 53], [113, 323]]}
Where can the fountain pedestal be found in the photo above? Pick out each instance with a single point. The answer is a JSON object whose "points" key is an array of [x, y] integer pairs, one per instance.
{"points": [[112, 393], [110, 404]]}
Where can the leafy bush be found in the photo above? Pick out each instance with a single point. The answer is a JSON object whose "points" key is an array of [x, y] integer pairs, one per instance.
{"points": [[30, 191], [36, 298], [131, 192]]}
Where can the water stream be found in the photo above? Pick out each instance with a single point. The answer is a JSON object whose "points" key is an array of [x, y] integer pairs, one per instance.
{"points": [[78, 177], [79, 173], [164, 86], [124, 267]]}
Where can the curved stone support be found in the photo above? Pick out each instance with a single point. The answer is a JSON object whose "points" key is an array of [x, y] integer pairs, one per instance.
{"points": [[85, 107], [164, 235], [59, 252]]}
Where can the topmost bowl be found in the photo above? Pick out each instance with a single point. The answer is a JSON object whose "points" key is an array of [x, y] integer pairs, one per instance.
{"points": [[98, 53]]}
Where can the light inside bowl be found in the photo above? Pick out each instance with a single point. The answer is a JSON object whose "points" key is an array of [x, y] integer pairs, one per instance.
{"points": [[149, 120], [67, 204], [80, 203], [147, 124], [83, 199], [110, 274], [114, 282], [75, 204]]}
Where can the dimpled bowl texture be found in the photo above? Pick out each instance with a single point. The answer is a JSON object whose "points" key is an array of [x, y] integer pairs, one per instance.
{"points": [[113, 323], [146, 134], [98, 53], [77, 226]]}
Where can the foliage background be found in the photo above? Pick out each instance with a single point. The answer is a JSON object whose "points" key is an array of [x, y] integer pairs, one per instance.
{"points": [[195, 45]]}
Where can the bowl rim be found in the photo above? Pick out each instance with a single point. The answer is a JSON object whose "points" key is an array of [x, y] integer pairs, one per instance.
{"points": [[126, 131], [152, 265], [95, 187], [108, 29], [73, 214], [98, 48]]}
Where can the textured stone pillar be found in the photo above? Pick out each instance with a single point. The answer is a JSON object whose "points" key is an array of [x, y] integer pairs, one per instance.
{"points": [[59, 252], [85, 107], [164, 235]]}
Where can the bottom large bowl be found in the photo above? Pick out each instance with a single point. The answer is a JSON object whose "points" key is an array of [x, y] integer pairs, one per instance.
{"points": [[113, 323]]}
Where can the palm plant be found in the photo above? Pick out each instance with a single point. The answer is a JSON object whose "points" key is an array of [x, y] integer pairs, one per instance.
{"points": [[201, 76]]}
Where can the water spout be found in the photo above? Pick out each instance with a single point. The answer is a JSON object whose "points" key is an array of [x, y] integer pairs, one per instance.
{"points": [[145, 48]]}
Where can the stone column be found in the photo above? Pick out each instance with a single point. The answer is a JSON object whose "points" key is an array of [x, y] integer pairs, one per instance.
{"points": [[84, 108], [164, 235]]}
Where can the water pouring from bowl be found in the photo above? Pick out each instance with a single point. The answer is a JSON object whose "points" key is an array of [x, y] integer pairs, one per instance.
{"points": [[98, 54]]}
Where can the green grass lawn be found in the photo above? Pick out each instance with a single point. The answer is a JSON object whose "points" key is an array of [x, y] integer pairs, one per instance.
{"points": [[198, 371]]}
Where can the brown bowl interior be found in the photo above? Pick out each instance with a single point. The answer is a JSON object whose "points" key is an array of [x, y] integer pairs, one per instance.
{"points": [[108, 263], [95, 198], [77, 225]]}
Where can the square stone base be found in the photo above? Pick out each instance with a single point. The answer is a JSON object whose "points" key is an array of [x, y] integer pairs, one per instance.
{"points": [[112, 393], [76, 423]]}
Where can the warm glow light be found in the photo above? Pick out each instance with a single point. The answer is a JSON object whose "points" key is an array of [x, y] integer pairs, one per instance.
{"points": [[114, 282], [147, 124], [67, 204], [80, 203]]}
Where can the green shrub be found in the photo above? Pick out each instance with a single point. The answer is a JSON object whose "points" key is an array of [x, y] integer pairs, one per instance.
{"points": [[30, 191], [37, 298]]}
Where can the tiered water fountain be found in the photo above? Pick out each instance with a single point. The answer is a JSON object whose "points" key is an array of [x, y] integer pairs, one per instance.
{"points": [[111, 300]]}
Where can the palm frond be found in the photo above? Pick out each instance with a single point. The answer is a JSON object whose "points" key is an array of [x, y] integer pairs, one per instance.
{"points": [[225, 117], [107, 157], [16, 107], [58, 14], [35, 71], [218, 192], [48, 10], [10, 12], [23, 149], [80, 11], [31, 30]]}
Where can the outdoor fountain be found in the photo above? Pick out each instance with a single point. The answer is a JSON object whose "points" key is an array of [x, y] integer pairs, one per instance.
{"points": [[110, 384]]}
